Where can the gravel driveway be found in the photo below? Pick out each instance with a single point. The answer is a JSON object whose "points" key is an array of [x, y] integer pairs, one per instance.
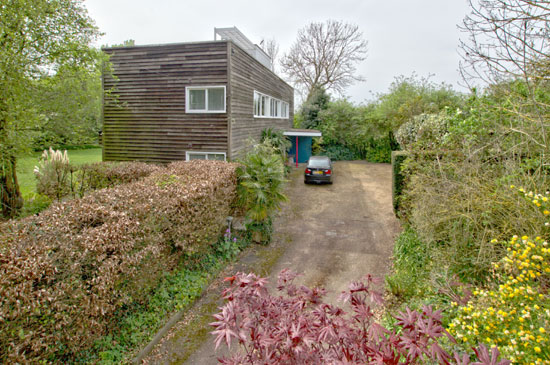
{"points": [[331, 234], [343, 231]]}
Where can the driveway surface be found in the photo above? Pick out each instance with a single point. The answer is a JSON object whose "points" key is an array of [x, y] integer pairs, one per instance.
{"points": [[331, 234]]}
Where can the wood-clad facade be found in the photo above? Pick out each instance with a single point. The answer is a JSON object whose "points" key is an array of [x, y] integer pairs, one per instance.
{"points": [[144, 111]]}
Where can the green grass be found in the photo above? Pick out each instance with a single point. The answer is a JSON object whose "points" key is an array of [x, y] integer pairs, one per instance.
{"points": [[26, 164]]}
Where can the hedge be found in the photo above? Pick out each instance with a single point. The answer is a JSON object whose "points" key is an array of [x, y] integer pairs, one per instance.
{"points": [[68, 272], [397, 159]]}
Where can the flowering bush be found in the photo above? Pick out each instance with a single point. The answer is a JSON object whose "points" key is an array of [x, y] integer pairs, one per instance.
{"points": [[53, 174], [66, 274], [424, 130], [299, 328], [514, 312]]}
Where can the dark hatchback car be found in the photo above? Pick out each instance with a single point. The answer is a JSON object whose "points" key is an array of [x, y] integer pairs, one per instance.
{"points": [[318, 170]]}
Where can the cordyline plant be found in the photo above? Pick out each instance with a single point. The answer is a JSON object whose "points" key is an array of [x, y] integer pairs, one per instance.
{"points": [[297, 327]]}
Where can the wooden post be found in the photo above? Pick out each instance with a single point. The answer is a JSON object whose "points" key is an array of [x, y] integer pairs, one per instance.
{"points": [[296, 151]]}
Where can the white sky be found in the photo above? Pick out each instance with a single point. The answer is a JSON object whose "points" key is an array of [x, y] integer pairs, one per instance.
{"points": [[404, 36]]}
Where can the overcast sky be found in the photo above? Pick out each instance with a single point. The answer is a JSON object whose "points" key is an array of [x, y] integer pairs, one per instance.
{"points": [[404, 36]]}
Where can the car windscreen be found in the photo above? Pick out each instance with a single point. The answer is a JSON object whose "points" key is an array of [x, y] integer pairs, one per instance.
{"points": [[318, 163]]}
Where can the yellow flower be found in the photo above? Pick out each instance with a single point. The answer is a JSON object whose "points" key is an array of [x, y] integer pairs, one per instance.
{"points": [[542, 330], [537, 349]]}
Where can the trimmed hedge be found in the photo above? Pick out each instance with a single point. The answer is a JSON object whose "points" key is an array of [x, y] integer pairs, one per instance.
{"points": [[68, 272], [100, 175], [397, 159]]}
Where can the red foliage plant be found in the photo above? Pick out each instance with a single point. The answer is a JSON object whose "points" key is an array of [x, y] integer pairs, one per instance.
{"points": [[68, 272], [297, 327]]}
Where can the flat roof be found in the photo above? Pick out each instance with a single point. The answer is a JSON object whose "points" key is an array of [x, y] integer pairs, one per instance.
{"points": [[302, 133]]}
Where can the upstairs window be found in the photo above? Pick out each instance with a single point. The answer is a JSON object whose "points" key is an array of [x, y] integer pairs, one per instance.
{"points": [[205, 99], [284, 110], [269, 107]]}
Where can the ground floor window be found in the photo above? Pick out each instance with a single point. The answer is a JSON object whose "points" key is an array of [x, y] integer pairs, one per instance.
{"points": [[199, 155]]}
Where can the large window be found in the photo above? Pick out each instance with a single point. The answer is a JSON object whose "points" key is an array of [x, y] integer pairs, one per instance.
{"points": [[199, 155], [266, 106], [205, 99]]}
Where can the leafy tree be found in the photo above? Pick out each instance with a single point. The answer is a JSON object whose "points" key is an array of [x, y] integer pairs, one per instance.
{"points": [[412, 96], [325, 56], [317, 101], [70, 103], [37, 38]]}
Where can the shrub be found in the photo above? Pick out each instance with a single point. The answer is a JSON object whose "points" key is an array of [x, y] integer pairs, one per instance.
{"points": [[101, 175], [277, 139], [53, 174], [377, 150], [458, 205], [68, 272], [56, 178], [397, 160], [513, 310], [424, 130], [410, 266], [297, 327], [261, 178], [340, 153]]}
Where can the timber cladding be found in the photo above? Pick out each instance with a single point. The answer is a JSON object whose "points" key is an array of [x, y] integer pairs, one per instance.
{"points": [[247, 75], [144, 116]]}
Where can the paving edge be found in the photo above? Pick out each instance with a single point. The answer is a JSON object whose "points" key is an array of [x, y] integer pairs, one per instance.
{"points": [[159, 336]]}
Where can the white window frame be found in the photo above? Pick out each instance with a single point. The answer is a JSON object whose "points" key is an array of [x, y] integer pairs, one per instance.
{"points": [[277, 112], [205, 88], [187, 153]]}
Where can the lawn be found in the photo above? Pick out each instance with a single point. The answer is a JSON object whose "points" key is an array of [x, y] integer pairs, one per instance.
{"points": [[26, 164]]}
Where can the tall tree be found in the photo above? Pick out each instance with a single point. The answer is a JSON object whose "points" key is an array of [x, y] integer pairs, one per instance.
{"points": [[325, 56], [37, 37]]}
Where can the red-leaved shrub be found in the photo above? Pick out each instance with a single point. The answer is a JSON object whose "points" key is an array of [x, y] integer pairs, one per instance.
{"points": [[297, 327], [66, 273]]}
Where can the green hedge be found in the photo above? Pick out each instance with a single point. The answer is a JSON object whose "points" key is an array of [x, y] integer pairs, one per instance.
{"points": [[397, 159]]}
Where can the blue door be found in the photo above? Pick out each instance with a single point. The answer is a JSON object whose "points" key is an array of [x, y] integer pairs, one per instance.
{"points": [[304, 148]]}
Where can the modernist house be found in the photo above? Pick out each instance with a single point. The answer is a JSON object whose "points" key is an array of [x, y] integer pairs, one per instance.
{"points": [[191, 100]]}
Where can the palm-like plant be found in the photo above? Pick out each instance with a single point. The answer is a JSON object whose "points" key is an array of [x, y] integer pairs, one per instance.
{"points": [[261, 179], [277, 139]]}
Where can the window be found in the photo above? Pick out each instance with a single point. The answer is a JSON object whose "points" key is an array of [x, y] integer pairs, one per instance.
{"points": [[268, 107], [198, 155], [263, 106], [205, 99], [284, 110], [257, 103]]}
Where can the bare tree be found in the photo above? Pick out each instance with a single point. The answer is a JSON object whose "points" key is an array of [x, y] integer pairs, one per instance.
{"points": [[325, 55], [271, 47], [508, 42]]}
